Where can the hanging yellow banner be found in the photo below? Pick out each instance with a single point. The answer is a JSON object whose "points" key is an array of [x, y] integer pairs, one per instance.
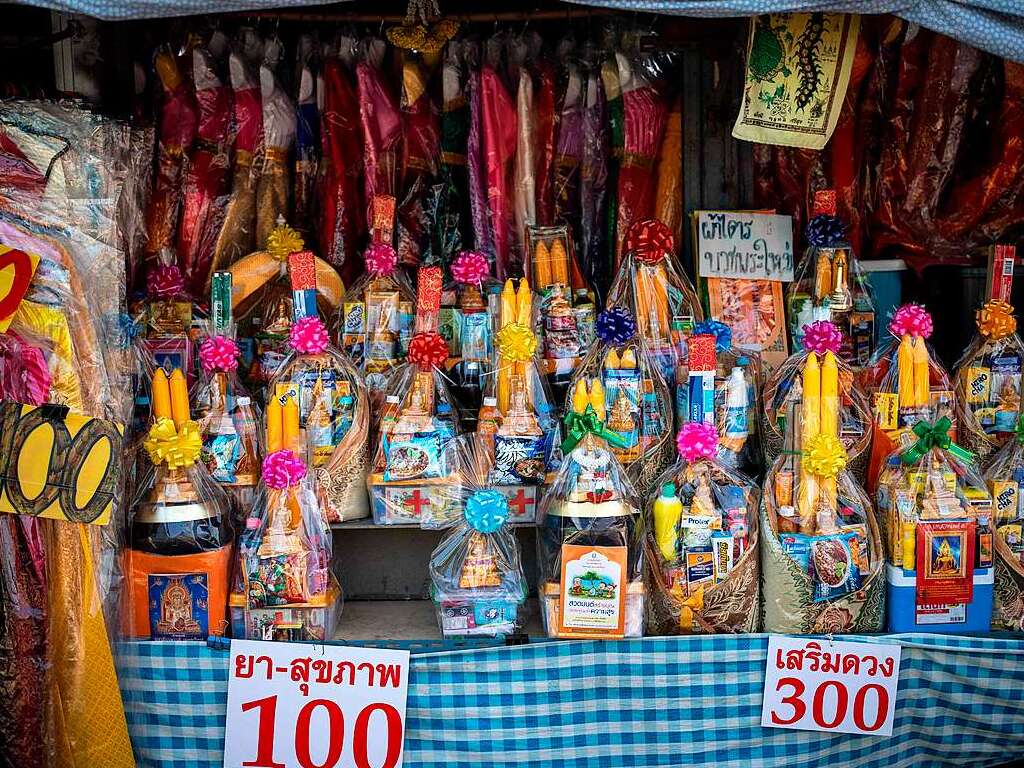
{"points": [[57, 464]]}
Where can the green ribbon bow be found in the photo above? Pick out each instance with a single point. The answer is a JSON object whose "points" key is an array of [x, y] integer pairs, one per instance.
{"points": [[579, 425], [934, 436]]}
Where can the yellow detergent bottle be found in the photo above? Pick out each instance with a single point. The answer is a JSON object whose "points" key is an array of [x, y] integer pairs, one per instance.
{"points": [[668, 510]]}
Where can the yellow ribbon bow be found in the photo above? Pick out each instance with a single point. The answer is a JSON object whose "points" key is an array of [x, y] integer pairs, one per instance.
{"points": [[516, 343], [995, 320], [824, 455], [178, 448]]}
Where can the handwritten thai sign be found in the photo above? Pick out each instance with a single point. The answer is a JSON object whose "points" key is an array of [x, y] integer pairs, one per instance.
{"points": [[16, 270], [329, 706], [58, 464], [745, 246], [829, 685]]}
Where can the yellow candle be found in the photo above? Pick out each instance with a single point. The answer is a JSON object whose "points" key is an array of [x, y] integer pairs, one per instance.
{"points": [[830, 395], [559, 264], [524, 301], [290, 424], [597, 398], [580, 397], [275, 425], [508, 304], [810, 424], [541, 265], [161, 395], [921, 387], [905, 373], [179, 398]]}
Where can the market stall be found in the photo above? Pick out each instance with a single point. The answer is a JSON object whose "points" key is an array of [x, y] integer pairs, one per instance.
{"points": [[465, 332]]}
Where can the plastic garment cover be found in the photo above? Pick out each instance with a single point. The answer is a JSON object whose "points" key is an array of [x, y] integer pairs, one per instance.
{"points": [[274, 182], [382, 124], [334, 423], [284, 588], [988, 382], [206, 176], [499, 146], [1005, 475], [937, 521], [421, 146], [230, 424], [590, 547], [701, 550], [237, 235]]}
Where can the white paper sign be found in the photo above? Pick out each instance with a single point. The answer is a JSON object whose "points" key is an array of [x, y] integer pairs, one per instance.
{"points": [[746, 246], [294, 705], [838, 687]]}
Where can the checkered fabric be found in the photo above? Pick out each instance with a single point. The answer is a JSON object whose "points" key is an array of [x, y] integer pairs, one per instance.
{"points": [[650, 702]]}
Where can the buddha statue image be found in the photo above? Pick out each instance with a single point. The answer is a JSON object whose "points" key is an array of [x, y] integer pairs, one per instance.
{"points": [[520, 419], [479, 570], [281, 321], [282, 537], [415, 416], [840, 299], [176, 614]]}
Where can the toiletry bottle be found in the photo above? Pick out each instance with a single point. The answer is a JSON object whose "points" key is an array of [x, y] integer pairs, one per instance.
{"points": [[668, 510]]}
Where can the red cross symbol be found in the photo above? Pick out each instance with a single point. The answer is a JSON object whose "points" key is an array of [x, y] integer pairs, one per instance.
{"points": [[521, 501], [416, 502]]}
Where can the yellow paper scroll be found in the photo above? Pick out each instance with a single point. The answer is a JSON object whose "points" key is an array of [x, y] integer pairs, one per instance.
{"points": [[798, 68], [57, 464]]}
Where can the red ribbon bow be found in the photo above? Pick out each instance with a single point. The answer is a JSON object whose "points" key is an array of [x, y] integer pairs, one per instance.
{"points": [[650, 241]]}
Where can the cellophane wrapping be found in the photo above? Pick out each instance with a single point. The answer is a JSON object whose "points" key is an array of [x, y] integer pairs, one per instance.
{"points": [[634, 403], [936, 512], [284, 586], [375, 328], [590, 547], [988, 382], [783, 394], [414, 477], [476, 571], [823, 577], [1005, 476], [334, 422], [705, 577]]}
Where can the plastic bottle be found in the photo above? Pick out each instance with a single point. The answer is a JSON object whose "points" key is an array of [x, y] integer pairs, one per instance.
{"points": [[488, 421], [736, 427], [668, 510]]}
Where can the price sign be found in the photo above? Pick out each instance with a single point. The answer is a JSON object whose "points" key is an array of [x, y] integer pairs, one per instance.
{"points": [[293, 705], [837, 687]]}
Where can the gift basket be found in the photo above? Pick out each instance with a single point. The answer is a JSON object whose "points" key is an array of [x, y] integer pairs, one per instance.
{"points": [[628, 393], [517, 423], [701, 558], [937, 518], [413, 478], [565, 311], [821, 367], [318, 392], [590, 534], [178, 560], [267, 285], [719, 385], [821, 559], [906, 384], [988, 381], [651, 287], [830, 285], [476, 574], [377, 320], [283, 586], [1005, 478]]}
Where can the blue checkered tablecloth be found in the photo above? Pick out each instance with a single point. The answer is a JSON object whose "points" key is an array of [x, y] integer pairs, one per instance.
{"points": [[650, 702]]}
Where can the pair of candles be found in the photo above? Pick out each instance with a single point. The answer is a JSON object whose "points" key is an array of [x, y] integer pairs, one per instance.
{"points": [[283, 424], [170, 397], [594, 397], [820, 415], [912, 366], [516, 307]]}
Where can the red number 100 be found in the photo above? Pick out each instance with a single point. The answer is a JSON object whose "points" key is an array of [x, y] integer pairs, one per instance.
{"points": [[336, 730]]}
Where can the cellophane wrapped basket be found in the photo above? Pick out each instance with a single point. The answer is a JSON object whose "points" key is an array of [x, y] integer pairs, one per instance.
{"points": [[722, 388], [333, 417], [702, 568], [1005, 478], [476, 572], [905, 383], [623, 383], [784, 395], [284, 588], [590, 539], [988, 381], [830, 285]]}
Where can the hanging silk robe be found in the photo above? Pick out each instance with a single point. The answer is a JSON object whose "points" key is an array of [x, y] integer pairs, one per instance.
{"points": [[613, 102], [593, 187], [454, 226], [343, 209], [544, 111], [669, 195], [279, 128], [307, 144], [177, 129], [499, 123], [570, 150], [382, 132], [420, 150], [238, 232], [206, 179], [524, 190], [483, 237]]}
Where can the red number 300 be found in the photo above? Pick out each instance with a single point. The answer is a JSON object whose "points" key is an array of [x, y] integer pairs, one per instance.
{"points": [[336, 734], [798, 707]]}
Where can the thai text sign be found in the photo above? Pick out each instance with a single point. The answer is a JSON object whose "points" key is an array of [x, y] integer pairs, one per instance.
{"points": [[745, 246], [58, 464], [837, 687], [294, 705]]}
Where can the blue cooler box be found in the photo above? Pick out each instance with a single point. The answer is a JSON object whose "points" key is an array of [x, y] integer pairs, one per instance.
{"points": [[901, 591]]}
